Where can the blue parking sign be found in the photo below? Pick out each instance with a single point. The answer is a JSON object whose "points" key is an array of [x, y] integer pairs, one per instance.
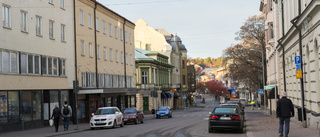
{"points": [[297, 59]]}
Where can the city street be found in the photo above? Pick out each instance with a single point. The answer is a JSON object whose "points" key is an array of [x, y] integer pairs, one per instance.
{"points": [[192, 122]]}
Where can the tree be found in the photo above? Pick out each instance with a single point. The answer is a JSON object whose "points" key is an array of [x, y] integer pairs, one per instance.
{"points": [[216, 88], [201, 86]]}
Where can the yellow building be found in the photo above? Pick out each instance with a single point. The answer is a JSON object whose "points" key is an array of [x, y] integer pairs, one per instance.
{"points": [[105, 58]]}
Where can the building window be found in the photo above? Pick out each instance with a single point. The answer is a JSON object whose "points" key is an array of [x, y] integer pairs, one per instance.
{"points": [[121, 57], [131, 59], [51, 29], [81, 17], [89, 21], [126, 58], [183, 79], [63, 32], [97, 24], [9, 62], [144, 78], [117, 59], [111, 56], [183, 65], [130, 37], [50, 1], [84, 79], [90, 50], [98, 51], [23, 17], [82, 48], [110, 30], [105, 53], [271, 30], [62, 4], [121, 37], [126, 36], [55, 66], [44, 65], [3, 107], [38, 26], [62, 67], [116, 32], [6, 19], [104, 27], [30, 64]]}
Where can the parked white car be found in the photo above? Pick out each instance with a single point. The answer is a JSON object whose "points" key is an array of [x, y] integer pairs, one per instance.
{"points": [[106, 117]]}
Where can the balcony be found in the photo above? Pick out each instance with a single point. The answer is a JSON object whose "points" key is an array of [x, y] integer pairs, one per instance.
{"points": [[149, 86]]}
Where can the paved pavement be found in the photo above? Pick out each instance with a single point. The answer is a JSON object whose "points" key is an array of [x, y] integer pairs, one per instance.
{"points": [[259, 124]]}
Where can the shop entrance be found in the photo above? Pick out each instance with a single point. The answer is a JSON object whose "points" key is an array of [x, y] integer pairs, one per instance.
{"points": [[145, 104], [94, 104]]}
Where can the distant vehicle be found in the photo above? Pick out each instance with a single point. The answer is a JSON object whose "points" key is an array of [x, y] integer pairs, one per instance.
{"points": [[239, 105], [106, 117], [164, 111], [222, 99], [133, 115], [225, 117]]}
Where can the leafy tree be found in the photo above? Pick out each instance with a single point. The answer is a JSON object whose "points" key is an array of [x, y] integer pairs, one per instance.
{"points": [[216, 87]]}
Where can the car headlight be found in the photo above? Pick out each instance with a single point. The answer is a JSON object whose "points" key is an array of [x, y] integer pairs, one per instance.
{"points": [[110, 118], [91, 119], [157, 112], [167, 112]]}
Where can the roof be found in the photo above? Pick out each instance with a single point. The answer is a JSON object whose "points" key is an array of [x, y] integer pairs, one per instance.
{"points": [[140, 55], [176, 39]]}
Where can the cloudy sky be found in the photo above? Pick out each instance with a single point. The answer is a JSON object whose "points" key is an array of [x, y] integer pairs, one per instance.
{"points": [[206, 27]]}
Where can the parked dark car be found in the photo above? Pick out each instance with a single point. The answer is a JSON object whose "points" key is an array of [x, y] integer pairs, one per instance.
{"points": [[241, 107], [164, 111], [225, 117], [133, 115]]}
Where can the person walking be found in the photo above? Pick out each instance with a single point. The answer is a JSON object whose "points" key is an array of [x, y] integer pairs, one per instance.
{"points": [[284, 112], [56, 116], [66, 112], [253, 104]]}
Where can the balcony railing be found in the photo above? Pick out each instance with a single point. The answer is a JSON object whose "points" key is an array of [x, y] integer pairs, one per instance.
{"points": [[152, 86]]}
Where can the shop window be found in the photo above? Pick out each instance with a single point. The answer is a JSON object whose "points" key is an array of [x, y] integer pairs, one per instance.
{"points": [[3, 107], [46, 102], [64, 97], [81, 109], [13, 106], [26, 105], [36, 105], [133, 101], [54, 100]]}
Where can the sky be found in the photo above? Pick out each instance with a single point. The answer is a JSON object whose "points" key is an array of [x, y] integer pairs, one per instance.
{"points": [[206, 27]]}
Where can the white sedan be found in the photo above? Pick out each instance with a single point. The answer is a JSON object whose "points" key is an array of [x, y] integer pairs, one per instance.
{"points": [[106, 117]]}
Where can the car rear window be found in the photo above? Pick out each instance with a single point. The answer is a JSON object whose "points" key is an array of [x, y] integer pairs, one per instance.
{"points": [[226, 110], [129, 111]]}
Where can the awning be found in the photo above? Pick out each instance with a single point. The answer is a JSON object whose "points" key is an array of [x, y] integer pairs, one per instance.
{"points": [[169, 95], [163, 95], [91, 91]]}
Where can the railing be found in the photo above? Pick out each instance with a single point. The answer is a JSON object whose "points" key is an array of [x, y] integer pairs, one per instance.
{"points": [[152, 86]]}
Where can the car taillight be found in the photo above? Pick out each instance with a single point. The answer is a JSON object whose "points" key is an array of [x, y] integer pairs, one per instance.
{"points": [[214, 117], [236, 117]]}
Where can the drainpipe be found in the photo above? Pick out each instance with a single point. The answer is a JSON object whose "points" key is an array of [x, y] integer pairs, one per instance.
{"points": [[75, 62], [95, 43], [293, 21], [283, 53]]}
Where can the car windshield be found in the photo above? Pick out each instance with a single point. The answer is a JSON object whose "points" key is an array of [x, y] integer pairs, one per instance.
{"points": [[129, 111], [164, 109], [104, 111], [226, 110]]}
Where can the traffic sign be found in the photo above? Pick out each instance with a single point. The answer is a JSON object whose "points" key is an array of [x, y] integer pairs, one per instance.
{"points": [[297, 59], [184, 96], [260, 91], [233, 92], [298, 67], [298, 74]]}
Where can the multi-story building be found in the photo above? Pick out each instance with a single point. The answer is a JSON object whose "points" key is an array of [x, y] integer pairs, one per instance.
{"points": [[153, 80], [191, 78], [105, 58], [299, 36], [36, 61]]}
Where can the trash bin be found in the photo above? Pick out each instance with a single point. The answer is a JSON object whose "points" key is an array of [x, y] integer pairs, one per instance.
{"points": [[153, 111], [300, 114]]}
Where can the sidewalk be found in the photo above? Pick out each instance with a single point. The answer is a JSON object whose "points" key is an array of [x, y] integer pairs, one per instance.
{"points": [[50, 131], [259, 124]]}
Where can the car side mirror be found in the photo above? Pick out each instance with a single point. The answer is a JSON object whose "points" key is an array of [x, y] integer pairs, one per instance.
{"points": [[210, 113], [92, 114]]}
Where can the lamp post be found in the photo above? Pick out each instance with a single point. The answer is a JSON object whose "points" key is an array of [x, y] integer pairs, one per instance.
{"points": [[264, 93]]}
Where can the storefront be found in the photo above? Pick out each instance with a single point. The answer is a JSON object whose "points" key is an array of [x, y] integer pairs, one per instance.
{"points": [[28, 109]]}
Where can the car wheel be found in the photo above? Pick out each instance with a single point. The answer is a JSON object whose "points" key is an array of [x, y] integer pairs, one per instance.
{"points": [[210, 130], [114, 124], [142, 120], [122, 123], [157, 117], [92, 128], [240, 130]]}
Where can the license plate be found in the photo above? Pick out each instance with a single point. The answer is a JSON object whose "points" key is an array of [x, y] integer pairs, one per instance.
{"points": [[125, 119], [162, 115], [225, 118], [98, 122]]}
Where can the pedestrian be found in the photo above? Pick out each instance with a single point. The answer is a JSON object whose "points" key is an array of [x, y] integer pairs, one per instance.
{"points": [[284, 112], [56, 116], [252, 104], [66, 112]]}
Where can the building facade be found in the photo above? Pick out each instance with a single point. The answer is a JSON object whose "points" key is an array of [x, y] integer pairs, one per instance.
{"points": [[105, 58], [299, 36], [36, 61], [153, 80]]}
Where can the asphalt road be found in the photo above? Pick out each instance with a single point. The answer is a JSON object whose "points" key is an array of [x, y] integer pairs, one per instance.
{"points": [[185, 123]]}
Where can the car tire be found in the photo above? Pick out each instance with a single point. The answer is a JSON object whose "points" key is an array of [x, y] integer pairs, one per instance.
{"points": [[136, 121], [92, 128], [157, 117], [240, 130], [122, 123], [142, 120], [210, 130], [114, 124]]}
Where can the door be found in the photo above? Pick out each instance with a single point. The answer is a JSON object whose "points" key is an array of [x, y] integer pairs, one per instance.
{"points": [[145, 104], [94, 104]]}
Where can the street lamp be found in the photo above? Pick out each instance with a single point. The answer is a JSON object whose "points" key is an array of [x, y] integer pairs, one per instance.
{"points": [[264, 93]]}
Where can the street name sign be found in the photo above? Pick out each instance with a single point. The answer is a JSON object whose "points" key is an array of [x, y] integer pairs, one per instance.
{"points": [[269, 87]]}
